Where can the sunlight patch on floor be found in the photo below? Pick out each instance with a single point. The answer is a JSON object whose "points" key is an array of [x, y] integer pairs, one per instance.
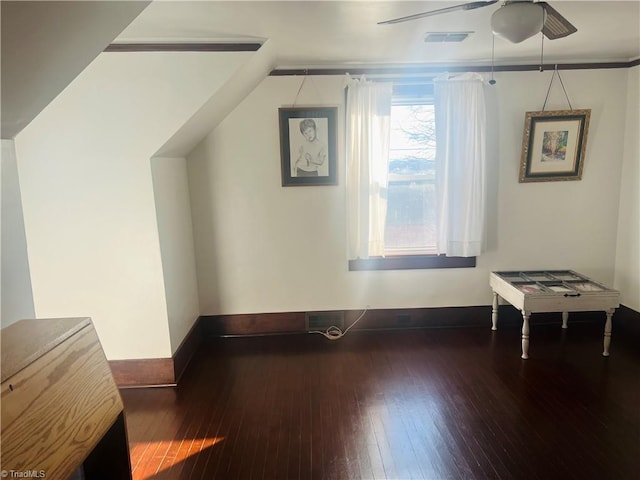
{"points": [[190, 447]]}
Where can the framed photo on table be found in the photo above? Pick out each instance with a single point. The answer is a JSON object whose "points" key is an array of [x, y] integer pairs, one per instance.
{"points": [[308, 146], [554, 145]]}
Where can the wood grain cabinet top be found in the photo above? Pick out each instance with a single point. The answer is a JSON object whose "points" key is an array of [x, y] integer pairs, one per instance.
{"points": [[58, 397]]}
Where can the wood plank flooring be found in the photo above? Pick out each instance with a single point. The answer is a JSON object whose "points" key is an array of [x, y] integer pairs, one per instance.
{"points": [[425, 404]]}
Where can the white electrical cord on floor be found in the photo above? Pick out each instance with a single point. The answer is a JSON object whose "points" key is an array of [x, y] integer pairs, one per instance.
{"points": [[334, 333]]}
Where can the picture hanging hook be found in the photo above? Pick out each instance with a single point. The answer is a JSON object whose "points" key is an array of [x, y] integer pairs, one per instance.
{"points": [[556, 72], [302, 83], [493, 50], [304, 78], [541, 52]]}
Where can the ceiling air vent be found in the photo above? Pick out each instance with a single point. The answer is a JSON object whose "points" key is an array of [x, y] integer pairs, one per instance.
{"points": [[446, 37]]}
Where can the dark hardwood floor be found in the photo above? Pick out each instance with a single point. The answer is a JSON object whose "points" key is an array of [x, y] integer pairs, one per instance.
{"points": [[422, 404]]}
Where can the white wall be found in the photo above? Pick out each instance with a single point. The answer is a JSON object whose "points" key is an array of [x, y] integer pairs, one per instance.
{"points": [[561, 224], [16, 296], [264, 248], [85, 176], [627, 278], [171, 191]]}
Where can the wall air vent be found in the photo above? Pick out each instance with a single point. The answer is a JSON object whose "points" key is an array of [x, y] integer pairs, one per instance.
{"points": [[320, 321], [446, 37]]}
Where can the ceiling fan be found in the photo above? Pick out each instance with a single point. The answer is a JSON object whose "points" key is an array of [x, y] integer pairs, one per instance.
{"points": [[515, 21]]}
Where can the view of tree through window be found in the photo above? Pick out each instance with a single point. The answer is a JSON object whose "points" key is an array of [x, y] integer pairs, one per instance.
{"points": [[410, 223]]}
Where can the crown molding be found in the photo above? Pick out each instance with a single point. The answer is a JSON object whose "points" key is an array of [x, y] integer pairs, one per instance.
{"points": [[183, 47]]}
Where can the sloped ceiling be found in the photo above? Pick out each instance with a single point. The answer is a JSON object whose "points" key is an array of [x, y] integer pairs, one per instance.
{"points": [[45, 45]]}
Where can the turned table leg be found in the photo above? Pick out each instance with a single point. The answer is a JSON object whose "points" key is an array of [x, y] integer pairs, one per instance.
{"points": [[494, 312], [525, 334], [607, 332], [565, 319]]}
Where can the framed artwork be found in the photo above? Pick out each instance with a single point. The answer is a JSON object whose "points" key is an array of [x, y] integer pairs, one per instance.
{"points": [[553, 145], [308, 146]]}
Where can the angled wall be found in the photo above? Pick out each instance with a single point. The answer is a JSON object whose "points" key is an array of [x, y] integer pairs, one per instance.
{"points": [[16, 296], [46, 44], [87, 191], [175, 232]]}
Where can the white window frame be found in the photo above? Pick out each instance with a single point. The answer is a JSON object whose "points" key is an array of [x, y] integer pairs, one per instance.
{"points": [[407, 95]]}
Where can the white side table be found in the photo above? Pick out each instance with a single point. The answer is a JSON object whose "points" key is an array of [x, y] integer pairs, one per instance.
{"points": [[552, 291]]}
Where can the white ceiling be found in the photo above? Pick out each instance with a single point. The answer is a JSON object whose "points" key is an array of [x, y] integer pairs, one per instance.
{"points": [[46, 44], [337, 33]]}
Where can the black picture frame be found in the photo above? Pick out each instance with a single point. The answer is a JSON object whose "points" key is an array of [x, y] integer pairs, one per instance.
{"points": [[306, 161]]}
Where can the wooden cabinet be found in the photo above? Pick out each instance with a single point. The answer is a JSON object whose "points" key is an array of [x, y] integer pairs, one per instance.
{"points": [[61, 409]]}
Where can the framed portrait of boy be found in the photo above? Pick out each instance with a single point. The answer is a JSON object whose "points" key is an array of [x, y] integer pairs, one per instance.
{"points": [[308, 146]]}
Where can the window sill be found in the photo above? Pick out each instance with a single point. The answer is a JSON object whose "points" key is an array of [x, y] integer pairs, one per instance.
{"points": [[409, 262]]}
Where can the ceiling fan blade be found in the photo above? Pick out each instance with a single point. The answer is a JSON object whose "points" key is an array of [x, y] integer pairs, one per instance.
{"points": [[556, 26], [454, 8]]}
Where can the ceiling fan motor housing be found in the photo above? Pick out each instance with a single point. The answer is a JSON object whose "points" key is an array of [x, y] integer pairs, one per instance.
{"points": [[518, 21]]}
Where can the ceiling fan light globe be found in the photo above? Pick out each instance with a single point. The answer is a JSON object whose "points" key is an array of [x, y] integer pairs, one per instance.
{"points": [[518, 21]]}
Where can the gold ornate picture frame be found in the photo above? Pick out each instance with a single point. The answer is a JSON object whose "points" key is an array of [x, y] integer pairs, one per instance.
{"points": [[554, 145]]}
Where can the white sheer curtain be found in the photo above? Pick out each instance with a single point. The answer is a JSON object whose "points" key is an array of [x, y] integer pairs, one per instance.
{"points": [[367, 157], [460, 164]]}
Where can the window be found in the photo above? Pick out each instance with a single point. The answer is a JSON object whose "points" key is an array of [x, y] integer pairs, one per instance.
{"points": [[405, 208], [410, 226]]}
